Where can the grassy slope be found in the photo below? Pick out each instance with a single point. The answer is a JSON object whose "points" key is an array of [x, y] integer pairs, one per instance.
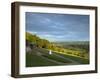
{"points": [[33, 60], [53, 57], [36, 60], [78, 59]]}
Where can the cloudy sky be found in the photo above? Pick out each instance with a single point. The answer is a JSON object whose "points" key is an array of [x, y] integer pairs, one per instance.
{"points": [[58, 27]]}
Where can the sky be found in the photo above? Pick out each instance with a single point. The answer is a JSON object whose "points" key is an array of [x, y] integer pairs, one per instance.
{"points": [[58, 27]]}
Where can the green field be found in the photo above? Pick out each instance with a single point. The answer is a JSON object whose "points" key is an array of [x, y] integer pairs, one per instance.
{"points": [[41, 57]]}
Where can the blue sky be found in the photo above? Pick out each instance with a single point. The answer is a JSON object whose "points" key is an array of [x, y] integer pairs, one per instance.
{"points": [[58, 27]]}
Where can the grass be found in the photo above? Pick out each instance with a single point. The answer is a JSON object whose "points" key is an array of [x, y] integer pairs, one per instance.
{"points": [[77, 59], [34, 60], [56, 58]]}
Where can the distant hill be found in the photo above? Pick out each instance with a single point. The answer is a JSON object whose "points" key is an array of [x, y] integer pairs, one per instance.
{"points": [[73, 42], [74, 45]]}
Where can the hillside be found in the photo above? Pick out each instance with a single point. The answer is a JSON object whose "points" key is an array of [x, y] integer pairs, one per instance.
{"points": [[63, 53]]}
